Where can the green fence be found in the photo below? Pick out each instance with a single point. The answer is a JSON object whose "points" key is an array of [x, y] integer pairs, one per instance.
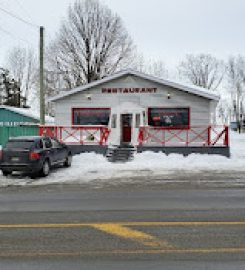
{"points": [[14, 131]]}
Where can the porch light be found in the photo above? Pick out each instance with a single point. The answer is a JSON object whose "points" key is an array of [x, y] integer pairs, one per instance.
{"points": [[89, 97], [168, 95]]}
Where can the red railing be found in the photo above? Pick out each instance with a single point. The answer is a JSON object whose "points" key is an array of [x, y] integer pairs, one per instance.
{"points": [[88, 135], [191, 136]]}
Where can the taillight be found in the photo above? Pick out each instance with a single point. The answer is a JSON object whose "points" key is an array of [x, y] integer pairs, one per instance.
{"points": [[1, 154], [34, 156]]}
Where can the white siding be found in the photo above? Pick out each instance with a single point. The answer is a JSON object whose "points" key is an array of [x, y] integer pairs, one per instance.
{"points": [[200, 107]]}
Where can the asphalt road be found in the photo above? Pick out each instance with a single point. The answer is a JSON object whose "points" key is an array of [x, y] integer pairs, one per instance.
{"points": [[62, 227]]}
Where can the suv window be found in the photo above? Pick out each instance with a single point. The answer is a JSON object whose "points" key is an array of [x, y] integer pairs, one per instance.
{"points": [[56, 144], [39, 144], [19, 144], [47, 142]]}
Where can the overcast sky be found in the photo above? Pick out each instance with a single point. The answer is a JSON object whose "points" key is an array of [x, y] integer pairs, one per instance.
{"points": [[161, 29]]}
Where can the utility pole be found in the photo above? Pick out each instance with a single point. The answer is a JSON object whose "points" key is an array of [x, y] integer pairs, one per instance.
{"points": [[41, 77]]}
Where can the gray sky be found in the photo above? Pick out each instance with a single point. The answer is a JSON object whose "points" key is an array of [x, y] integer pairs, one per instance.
{"points": [[161, 29]]}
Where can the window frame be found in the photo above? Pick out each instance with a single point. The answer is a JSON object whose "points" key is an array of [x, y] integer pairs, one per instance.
{"points": [[83, 108], [172, 108]]}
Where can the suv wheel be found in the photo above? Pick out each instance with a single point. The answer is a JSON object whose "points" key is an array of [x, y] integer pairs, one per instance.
{"points": [[6, 173], [45, 169], [68, 160]]}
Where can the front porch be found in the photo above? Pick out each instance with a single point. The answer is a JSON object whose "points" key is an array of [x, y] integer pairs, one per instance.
{"points": [[193, 139]]}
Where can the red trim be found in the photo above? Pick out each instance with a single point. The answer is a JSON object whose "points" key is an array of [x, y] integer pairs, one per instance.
{"points": [[78, 108], [173, 128]]}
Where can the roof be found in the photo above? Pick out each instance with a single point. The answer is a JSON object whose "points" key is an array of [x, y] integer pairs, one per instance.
{"points": [[199, 91], [27, 112]]}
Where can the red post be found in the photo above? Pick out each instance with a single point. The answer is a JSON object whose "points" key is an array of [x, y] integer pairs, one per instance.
{"points": [[226, 140], [209, 135], [140, 137], [101, 136]]}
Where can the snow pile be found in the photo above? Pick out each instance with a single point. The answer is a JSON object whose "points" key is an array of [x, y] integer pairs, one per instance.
{"points": [[90, 166]]}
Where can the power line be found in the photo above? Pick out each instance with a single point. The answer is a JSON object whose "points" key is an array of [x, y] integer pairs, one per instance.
{"points": [[13, 36], [25, 10], [18, 18]]}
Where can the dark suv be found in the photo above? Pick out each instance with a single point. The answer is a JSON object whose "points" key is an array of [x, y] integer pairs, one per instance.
{"points": [[34, 155]]}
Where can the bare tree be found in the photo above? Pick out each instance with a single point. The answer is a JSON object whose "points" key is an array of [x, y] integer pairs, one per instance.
{"points": [[202, 70], [236, 82], [22, 65], [91, 44], [10, 93], [152, 67]]}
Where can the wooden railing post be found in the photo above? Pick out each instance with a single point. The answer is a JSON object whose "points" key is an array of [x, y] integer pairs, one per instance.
{"points": [[226, 140], [101, 136], [209, 135], [140, 136]]}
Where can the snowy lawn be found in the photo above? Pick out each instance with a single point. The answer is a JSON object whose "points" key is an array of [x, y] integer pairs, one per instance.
{"points": [[91, 166]]}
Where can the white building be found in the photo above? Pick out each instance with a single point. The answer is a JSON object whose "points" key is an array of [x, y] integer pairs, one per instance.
{"points": [[131, 108]]}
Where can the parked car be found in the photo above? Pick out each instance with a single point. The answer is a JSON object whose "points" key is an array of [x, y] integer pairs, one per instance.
{"points": [[34, 155]]}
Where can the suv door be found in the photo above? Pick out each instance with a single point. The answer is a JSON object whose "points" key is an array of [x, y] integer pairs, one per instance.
{"points": [[49, 150], [60, 150]]}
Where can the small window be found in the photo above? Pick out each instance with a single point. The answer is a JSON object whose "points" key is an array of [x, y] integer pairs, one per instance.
{"points": [[47, 143], [137, 120], [39, 144], [56, 144], [114, 121]]}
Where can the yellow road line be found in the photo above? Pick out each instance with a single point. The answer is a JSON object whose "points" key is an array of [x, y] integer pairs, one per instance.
{"points": [[183, 223], [134, 235], [123, 252], [76, 225]]}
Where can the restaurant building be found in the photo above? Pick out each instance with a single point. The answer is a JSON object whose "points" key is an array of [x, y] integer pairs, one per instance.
{"points": [[133, 109]]}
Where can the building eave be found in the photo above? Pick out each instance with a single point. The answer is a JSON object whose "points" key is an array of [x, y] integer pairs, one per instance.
{"points": [[202, 92]]}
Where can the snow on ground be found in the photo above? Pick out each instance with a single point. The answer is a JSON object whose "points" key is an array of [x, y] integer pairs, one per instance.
{"points": [[90, 166]]}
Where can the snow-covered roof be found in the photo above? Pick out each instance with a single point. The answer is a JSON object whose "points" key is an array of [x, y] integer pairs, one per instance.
{"points": [[199, 91], [28, 112]]}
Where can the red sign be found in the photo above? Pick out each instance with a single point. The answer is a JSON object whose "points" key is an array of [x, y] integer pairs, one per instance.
{"points": [[128, 90]]}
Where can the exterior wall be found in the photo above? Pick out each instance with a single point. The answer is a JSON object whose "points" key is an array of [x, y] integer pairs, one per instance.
{"points": [[12, 125], [13, 131], [200, 108]]}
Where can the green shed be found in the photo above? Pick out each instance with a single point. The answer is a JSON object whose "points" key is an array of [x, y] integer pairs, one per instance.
{"points": [[17, 122]]}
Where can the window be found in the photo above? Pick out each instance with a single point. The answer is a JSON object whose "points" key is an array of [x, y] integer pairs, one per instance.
{"points": [[18, 144], [91, 116], [169, 117], [47, 143], [39, 144], [56, 144], [137, 120], [114, 121]]}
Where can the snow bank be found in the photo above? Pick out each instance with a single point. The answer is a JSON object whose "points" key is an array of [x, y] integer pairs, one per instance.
{"points": [[90, 166]]}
